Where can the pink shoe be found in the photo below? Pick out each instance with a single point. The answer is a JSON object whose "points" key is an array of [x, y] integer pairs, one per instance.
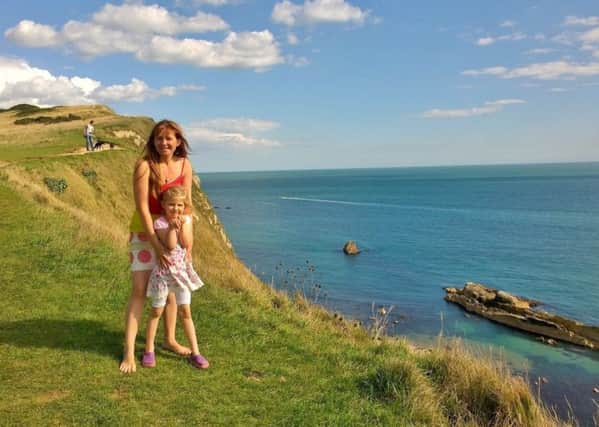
{"points": [[149, 359], [199, 361]]}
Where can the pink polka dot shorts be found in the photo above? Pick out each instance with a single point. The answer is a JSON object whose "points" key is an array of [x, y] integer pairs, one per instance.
{"points": [[141, 253]]}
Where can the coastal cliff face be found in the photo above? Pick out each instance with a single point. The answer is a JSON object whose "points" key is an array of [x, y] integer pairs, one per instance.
{"points": [[520, 313]]}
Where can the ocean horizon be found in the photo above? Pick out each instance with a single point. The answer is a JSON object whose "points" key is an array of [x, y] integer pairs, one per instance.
{"points": [[465, 165], [529, 229]]}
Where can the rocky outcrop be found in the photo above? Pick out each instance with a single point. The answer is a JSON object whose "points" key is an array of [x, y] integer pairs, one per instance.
{"points": [[351, 248], [520, 313]]}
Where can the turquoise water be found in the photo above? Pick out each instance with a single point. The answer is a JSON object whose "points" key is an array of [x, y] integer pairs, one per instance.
{"points": [[529, 229]]}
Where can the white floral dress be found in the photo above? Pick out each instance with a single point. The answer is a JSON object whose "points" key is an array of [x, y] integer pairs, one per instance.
{"points": [[179, 274]]}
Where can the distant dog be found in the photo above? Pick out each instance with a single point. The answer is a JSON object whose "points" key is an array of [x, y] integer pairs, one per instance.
{"points": [[101, 145]]}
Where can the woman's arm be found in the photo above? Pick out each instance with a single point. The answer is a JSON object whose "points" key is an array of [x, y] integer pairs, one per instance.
{"points": [[168, 237], [186, 233], [141, 189], [187, 227], [187, 181]]}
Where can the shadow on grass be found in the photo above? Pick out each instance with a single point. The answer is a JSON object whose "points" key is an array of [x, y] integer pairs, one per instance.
{"points": [[73, 334]]}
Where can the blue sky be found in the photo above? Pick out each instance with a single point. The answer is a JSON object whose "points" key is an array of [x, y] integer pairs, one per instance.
{"points": [[294, 84]]}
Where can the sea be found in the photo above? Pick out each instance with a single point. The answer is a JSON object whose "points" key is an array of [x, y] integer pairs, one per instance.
{"points": [[531, 230]]}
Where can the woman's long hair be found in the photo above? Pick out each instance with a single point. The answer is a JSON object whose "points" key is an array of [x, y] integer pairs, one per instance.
{"points": [[153, 158]]}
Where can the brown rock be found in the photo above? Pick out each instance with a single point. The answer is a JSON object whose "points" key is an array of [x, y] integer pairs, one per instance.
{"points": [[479, 292], [351, 248], [506, 298], [493, 305]]}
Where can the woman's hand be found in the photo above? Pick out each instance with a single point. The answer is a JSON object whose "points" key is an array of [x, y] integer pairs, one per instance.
{"points": [[162, 257], [161, 254]]}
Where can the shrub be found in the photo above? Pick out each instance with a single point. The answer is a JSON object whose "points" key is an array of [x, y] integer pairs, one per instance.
{"points": [[56, 185], [47, 119], [90, 175]]}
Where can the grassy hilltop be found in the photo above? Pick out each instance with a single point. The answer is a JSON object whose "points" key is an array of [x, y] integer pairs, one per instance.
{"points": [[275, 360]]}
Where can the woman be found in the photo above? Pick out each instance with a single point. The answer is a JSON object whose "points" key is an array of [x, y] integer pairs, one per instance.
{"points": [[164, 165]]}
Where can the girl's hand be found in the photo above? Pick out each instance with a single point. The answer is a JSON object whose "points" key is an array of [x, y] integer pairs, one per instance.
{"points": [[188, 255], [175, 223]]}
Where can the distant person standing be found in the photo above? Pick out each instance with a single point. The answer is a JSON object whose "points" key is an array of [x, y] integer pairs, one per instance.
{"points": [[88, 133]]}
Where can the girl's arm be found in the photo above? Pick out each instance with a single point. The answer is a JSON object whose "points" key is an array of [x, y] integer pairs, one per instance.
{"points": [[141, 189]]}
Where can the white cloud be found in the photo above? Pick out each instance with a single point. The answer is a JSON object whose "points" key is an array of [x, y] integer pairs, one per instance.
{"points": [[317, 11], [297, 61], [588, 21], [590, 37], [558, 89], [508, 24], [232, 131], [31, 34], [214, 3], [240, 124], [22, 83], [493, 71], [292, 39], [542, 71], [539, 51], [154, 19], [258, 50], [136, 91], [489, 107], [191, 88], [513, 36], [486, 41], [148, 32], [90, 40], [567, 38]]}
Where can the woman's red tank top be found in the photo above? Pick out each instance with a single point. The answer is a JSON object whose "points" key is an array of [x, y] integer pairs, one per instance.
{"points": [[153, 203]]}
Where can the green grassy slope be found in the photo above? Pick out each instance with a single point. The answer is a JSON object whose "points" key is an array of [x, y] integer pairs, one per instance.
{"points": [[274, 360]]}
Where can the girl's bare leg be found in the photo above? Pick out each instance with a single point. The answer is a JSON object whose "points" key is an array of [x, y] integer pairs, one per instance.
{"points": [[170, 322], [189, 328], [133, 317], [152, 327]]}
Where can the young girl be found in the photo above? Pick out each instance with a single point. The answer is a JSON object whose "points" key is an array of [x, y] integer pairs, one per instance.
{"points": [[178, 277]]}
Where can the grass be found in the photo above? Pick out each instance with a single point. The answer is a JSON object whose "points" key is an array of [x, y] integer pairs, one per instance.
{"points": [[275, 359]]}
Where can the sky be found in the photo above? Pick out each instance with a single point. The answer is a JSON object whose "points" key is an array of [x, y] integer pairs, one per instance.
{"points": [[312, 84]]}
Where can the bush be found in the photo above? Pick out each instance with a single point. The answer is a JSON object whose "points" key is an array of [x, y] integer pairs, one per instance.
{"points": [[56, 185], [90, 175], [47, 119]]}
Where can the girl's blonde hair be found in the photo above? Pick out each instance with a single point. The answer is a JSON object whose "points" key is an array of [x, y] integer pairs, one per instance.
{"points": [[152, 156], [176, 192]]}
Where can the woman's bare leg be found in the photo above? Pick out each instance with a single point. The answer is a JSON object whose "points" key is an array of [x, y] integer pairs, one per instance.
{"points": [[133, 317], [170, 323]]}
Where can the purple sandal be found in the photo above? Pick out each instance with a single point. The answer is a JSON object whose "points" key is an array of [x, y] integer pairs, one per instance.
{"points": [[199, 361], [149, 359]]}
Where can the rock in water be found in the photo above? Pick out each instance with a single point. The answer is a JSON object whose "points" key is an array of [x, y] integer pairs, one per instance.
{"points": [[519, 313], [350, 248]]}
